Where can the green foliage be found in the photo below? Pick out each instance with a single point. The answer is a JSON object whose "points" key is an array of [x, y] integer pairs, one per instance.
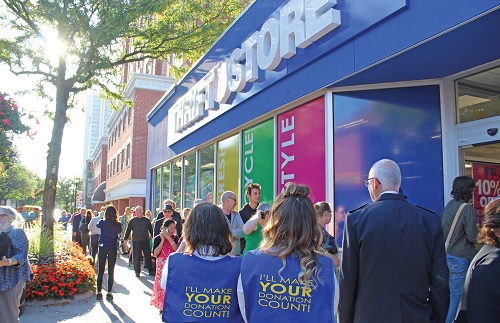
{"points": [[60, 269], [42, 243], [18, 184], [66, 189], [99, 38]]}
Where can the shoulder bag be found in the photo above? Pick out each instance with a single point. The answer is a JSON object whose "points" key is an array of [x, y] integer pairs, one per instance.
{"points": [[453, 225]]}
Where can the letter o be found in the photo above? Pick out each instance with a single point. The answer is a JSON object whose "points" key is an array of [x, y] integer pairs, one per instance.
{"points": [[274, 290], [198, 299], [268, 55]]}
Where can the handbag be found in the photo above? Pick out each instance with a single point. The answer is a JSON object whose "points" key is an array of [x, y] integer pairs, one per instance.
{"points": [[5, 244], [83, 226], [447, 242], [329, 244]]}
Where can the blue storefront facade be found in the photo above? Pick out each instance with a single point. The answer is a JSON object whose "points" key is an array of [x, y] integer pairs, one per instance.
{"points": [[326, 88]]}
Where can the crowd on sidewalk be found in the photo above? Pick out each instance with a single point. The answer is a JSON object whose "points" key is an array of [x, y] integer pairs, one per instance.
{"points": [[275, 261]]}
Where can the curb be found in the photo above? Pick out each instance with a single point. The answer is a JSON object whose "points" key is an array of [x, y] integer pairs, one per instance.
{"points": [[59, 302]]}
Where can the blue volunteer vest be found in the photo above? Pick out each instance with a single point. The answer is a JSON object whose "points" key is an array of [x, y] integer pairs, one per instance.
{"points": [[201, 290], [273, 297]]}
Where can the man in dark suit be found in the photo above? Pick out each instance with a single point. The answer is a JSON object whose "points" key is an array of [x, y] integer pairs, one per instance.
{"points": [[393, 262]]}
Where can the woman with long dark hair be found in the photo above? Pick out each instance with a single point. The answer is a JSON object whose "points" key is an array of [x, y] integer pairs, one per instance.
{"points": [[108, 248], [289, 278], [168, 244], [205, 273]]}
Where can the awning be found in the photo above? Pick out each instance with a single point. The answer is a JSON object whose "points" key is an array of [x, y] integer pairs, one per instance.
{"points": [[99, 196]]}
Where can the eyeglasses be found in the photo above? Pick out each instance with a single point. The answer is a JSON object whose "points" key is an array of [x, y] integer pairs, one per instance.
{"points": [[3, 215], [367, 182], [232, 198]]}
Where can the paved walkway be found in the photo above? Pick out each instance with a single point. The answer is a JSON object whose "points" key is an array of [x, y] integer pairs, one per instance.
{"points": [[130, 304]]}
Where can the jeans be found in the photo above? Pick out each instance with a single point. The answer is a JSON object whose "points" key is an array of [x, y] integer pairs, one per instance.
{"points": [[458, 270], [108, 253]]}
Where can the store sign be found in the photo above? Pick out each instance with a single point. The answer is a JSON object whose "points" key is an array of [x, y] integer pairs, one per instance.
{"points": [[487, 177], [257, 160], [297, 25], [301, 148], [227, 166]]}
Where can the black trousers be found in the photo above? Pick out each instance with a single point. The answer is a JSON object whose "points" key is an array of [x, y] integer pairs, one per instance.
{"points": [[94, 240], [108, 253], [139, 247]]}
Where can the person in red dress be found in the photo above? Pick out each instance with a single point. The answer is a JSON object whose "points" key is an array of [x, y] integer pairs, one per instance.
{"points": [[168, 244]]}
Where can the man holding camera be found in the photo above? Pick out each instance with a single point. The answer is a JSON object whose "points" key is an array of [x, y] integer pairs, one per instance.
{"points": [[253, 227]]}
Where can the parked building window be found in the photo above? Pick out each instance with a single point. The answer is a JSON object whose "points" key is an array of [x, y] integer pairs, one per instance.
{"points": [[176, 181], [165, 182], [206, 174], [478, 96], [189, 189], [128, 155]]}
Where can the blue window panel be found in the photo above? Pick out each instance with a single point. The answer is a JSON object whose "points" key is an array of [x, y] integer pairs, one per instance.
{"points": [[402, 124]]}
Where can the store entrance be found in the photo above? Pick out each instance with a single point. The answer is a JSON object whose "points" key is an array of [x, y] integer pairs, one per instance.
{"points": [[482, 163]]}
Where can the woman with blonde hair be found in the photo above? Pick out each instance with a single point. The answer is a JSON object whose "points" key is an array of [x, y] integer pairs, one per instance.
{"points": [[289, 278], [324, 217]]}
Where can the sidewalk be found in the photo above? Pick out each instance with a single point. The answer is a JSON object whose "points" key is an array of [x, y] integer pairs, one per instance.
{"points": [[130, 304]]}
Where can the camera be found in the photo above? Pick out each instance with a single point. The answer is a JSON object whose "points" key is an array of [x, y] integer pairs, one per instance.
{"points": [[263, 214], [492, 131]]}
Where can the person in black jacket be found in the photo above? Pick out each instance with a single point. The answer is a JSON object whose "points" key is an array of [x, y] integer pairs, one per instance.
{"points": [[167, 212], [393, 265]]}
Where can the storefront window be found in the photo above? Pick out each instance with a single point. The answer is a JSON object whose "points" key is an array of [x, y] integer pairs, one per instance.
{"points": [[189, 180], [206, 174], [478, 96], [157, 188], [176, 182], [165, 184]]}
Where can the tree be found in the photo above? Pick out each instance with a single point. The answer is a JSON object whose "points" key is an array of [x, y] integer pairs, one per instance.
{"points": [[17, 183], [93, 33]]}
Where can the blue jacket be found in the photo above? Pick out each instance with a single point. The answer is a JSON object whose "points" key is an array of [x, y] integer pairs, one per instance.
{"points": [[279, 297], [201, 290]]}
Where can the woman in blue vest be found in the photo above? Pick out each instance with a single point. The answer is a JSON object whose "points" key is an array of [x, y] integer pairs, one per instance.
{"points": [[201, 282], [289, 278]]}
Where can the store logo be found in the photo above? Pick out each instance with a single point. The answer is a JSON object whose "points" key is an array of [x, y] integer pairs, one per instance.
{"points": [[297, 24]]}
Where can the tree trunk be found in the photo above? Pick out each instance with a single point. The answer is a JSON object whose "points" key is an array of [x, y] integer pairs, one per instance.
{"points": [[54, 152]]}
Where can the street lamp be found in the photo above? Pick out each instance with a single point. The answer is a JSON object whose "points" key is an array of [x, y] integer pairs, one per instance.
{"points": [[75, 187]]}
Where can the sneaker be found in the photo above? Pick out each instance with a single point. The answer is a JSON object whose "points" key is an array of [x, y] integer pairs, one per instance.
{"points": [[109, 296], [129, 264], [98, 296], [137, 275]]}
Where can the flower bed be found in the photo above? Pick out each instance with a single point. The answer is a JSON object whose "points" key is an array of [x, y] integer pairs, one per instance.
{"points": [[62, 275]]}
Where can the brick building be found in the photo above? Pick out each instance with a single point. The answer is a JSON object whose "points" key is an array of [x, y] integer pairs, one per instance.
{"points": [[120, 173]]}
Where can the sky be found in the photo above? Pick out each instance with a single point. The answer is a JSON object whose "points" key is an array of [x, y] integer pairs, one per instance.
{"points": [[33, 152]]}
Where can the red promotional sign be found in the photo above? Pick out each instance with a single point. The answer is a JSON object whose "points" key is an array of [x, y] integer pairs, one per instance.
{"points": [[487, 177]]}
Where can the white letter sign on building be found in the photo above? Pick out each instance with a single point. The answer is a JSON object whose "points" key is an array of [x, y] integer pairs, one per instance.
{"points": [[298, 23]]}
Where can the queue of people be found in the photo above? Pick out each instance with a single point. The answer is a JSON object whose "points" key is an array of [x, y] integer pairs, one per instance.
{"points": [[399, 263]]}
